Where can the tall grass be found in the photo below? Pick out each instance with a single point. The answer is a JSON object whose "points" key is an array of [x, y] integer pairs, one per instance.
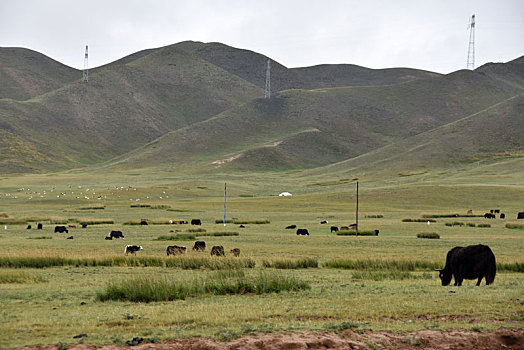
{"points": [[354, 233], [419, 220], [218, 234], [290, 263], [376, 264], [149, 289], [183, 262], [389, 275], [179, 237], [20, 277], [253, 221], [515, 226]]}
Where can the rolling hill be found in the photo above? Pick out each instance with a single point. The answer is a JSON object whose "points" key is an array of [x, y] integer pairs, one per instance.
{"points": [[199, 106]]}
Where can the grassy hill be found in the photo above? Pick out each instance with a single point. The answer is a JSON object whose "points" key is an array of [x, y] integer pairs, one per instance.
{"points": [[199, 105], [25, 74], [308, 128]]}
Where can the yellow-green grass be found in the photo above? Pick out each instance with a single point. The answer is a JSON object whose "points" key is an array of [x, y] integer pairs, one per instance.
{"points": [[358, 296]]}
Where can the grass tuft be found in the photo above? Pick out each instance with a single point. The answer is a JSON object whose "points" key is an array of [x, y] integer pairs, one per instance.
{"points": [[354, 233], [515, 226], [291, 263], [19, 277], [179, 237], [370, 264], [151, 289], [429, 235]]}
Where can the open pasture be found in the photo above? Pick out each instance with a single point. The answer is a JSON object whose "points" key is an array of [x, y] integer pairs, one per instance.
{"points": [[394, 289]]}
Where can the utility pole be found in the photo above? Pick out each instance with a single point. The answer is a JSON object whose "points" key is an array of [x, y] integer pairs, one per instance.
{"points": [[471, 47], [267, 89], [356, 227], [85, 75]]}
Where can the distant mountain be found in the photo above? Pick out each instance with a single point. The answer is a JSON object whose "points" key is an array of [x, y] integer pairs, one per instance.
{"points": [[202, 105]]}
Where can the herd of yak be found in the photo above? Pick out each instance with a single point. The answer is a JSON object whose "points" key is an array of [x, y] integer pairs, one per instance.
{"points": [[471, 262]]}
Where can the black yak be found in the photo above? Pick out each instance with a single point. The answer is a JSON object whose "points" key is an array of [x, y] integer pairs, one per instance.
{"points": [[471, 262]]}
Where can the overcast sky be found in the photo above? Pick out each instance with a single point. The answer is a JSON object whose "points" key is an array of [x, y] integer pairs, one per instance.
{"points": [[424, 34]]}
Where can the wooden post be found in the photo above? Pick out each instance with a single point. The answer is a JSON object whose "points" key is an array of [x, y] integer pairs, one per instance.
{"points": [[356, 227], [225, 191]]}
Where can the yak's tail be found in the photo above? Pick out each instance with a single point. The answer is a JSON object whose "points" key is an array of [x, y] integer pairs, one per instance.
{"points": [[492, 268]]}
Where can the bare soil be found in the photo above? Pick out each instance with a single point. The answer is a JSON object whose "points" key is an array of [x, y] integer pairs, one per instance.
{"points": [[504, 338]]}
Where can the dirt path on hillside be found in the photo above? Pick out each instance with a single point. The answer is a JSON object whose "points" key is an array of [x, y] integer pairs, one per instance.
{"points": [[507, 338]]}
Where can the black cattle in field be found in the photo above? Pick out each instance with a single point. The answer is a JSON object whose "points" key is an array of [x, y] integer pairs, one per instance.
{"points": [[353, 226], [143, 222], [196, 222], [39, 226], [132, 249], [471, 262], [70, 237], [115, 234], [291, 227], [497, 211], [61, 229], [520, 215], [199, 246], [84, 225], [218, 250], [28, 227], [489, 216], [502, 215], [334, 229], [376, 232], [242, 226], [235, 251], [323, 222], [175, 250], [108, 238], [302, 231]]}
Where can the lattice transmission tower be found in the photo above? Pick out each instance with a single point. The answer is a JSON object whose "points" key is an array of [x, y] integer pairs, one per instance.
{"points": [[267, 90], [85, 75], [471, 47]]}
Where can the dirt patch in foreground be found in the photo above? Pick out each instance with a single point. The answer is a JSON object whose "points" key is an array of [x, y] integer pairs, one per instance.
{"points": [[504, 338]]}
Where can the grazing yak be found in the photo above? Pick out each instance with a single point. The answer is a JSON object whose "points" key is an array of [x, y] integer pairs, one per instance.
{"points": [[302, 231], [334, 229], [143, 222], [61, 229], [84, 225], [28, 227], [471, 262], [235, 251], [196, 222], [218, 250], [502, 215], [115, 234], [175, 250], [323, 222], [39, 226], [199, 246], [489, 216], [291, 227], [520, 215], [132, 249]]}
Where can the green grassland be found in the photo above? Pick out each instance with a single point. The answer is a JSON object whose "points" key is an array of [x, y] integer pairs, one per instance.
{"points": [[385, 282]]}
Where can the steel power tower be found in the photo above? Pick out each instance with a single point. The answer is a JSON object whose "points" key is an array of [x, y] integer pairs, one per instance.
{"points": [[471, 48], [267, 90], [85, 75]]}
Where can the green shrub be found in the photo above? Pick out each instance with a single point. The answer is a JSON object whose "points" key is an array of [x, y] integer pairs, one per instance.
{"points": [[354, 233], [291, 263], [218, 234], [430, 235], [515, 226], [140, 205], [471, 224], [93, 207], [455, 223], [484, 225], [179, 237], [221, 221], [419, 220], [374, 216]]}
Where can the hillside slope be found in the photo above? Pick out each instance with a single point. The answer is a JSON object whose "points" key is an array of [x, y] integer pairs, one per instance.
{"points": [[122, 107], [300, 128], [25, 74]]}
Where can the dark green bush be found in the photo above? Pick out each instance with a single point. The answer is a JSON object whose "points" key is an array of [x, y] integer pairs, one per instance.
{"points": [[430, 235]]}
